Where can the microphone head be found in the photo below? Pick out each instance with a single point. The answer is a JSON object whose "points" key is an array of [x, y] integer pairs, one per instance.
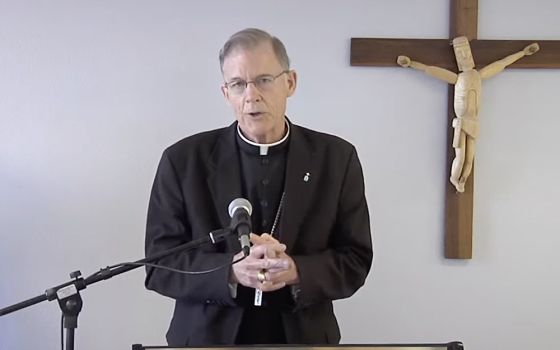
{"points": [[238, 203]]}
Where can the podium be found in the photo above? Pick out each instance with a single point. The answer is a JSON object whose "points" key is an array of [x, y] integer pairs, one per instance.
{"points": [[445, 346]]}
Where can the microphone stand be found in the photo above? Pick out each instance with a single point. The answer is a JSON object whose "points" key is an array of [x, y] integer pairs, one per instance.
{"points": [[68, 293]]}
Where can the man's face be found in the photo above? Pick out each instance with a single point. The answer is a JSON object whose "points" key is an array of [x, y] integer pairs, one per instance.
{"points": [[259, 111]]}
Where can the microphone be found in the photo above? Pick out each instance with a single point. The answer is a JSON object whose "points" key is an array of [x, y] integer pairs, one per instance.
{"points": [[240, 211]]}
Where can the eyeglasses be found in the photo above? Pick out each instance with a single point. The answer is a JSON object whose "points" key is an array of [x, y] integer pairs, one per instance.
{"points": [[263, 83]]}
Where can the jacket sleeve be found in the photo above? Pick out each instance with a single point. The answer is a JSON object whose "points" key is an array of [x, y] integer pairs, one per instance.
{"points": [[339, 271], [167, 227]]}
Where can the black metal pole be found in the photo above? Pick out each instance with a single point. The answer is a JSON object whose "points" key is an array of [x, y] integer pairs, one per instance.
{"points": [[69, 338], [23, 304]]}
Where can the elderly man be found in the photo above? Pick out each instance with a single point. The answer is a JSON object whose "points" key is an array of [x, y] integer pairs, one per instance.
{"points": [[311, 242]]}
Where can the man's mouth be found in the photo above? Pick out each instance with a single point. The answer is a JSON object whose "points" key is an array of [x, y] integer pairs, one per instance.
{"points": [[255, 114]]}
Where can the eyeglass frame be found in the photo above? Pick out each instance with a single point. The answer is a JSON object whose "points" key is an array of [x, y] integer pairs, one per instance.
{"points": [[273, 78]]}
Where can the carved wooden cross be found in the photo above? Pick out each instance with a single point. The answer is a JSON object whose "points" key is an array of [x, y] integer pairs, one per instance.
{"points": [[438, 52]]}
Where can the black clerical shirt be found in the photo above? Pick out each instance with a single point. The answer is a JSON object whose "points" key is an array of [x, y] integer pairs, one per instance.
{"points": [[263, 177]]}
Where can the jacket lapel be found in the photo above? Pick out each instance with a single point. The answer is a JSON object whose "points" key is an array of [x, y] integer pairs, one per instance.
{"points": [[224, 176], [300, 186]]}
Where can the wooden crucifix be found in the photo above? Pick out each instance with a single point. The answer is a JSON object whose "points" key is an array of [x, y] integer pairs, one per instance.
{"points": [[438, 52]]}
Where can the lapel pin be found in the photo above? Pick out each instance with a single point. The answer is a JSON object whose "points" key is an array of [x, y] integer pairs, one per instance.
{"points": [[306, 177]]}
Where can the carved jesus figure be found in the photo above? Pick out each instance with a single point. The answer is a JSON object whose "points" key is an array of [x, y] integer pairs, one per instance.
{"points": [[466, 100]]}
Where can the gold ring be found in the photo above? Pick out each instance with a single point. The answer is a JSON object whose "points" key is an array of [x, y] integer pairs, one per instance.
{"points": [[261, 276]]}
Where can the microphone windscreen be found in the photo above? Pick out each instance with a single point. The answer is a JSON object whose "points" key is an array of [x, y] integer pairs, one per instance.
{"points": [[239, 203]]}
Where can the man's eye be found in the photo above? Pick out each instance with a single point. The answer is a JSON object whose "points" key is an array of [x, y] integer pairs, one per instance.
{"points": [[265, 80], [236, 84]]}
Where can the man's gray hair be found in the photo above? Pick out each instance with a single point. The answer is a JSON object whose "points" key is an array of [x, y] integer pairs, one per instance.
{"points": [[249, 38]]}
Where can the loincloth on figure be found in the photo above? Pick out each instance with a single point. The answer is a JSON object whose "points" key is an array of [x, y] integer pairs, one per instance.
{"points": [[469, 126]]}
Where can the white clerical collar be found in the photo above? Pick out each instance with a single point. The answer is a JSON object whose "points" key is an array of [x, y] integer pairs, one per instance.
{"points": [[263, 147]]}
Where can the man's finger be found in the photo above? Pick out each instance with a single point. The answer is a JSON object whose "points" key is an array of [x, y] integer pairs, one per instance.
{"points": [[262, 239], [271, 264], [268, 286], [260, 250]]}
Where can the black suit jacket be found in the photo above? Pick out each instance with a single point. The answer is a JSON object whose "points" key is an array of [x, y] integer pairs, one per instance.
{"points": [[325, 226]]}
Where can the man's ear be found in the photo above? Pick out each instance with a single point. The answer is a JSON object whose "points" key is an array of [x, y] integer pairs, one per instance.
{"points": [[225, 92], [292, 82]]}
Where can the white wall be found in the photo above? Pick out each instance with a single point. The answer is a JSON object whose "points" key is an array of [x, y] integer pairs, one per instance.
{"points": [[91, 92]]}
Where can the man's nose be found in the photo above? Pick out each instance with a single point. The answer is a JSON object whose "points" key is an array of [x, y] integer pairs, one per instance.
{"points": [[252, 93]]}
